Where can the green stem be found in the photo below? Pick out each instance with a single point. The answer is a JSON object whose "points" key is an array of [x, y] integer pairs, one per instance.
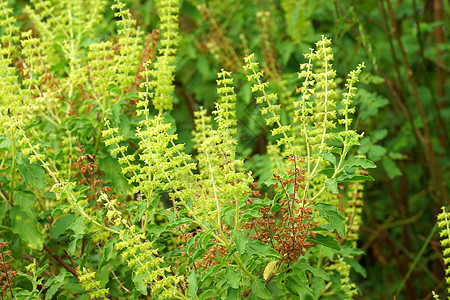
{"points": [[13, 171], [72, 55], [5, 227], [269, 104], [236, 217], [243, 268], [84, 214], [228, 245], [336, 171], [147, 214], [214, 190], [51, 120], [416, 260], [102, 124]]}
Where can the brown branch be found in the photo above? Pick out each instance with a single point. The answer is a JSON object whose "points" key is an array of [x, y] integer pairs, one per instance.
{"points": [[441, 125], [5, 269], [433, 165], [191, 102], [245, 294], [6, 195], [70, 259], [60, 261], [438, 10]]}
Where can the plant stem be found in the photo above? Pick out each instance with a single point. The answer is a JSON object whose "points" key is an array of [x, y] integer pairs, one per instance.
{"points": [[417, 258], [13, 171]]}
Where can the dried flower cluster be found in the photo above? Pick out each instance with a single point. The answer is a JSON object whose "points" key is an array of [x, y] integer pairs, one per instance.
{"points": [[269, 53], [87, 174], [287, 225], [217, 42], [6, 273]]}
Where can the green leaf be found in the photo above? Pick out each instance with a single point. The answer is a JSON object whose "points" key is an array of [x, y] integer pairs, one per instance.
{"points": [[331, 214], [203, 67], [78, 226], [336, 150], [54, 284], [208, 294], [26, 202], [269, 182], [338, 137], [275, 207], [378, 135], [350, 251], [295, 284], [233, 294], [192, 284], [204, 239], [5, 143], [191, 243], [27, 228], [376, 152], [108, 250], [252, 213], [102, 275], [278, 196], [3, 209], [331, 185], [356, 266], [87, 252], [300, 273], [197, 254], [74, 287], [73, 244], [397, 156], [315, 271], [377, 79], [359, 162], [318, 286], [64, 297], [391, 168], [209, 272], [125, 128], [115, 112], [326, 240], [169, 119], [257, 248], [113, 173], [232, 277], [245, 93], [345, 177], [329, 157], [239, 239], [40, 270], [139, 283], [259, 289], [180, 221], [49, 195], [327, 171], [33, 174], [61, 225]]}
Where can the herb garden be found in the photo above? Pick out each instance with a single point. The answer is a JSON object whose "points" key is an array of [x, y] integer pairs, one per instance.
{"points": [[188, 149]]}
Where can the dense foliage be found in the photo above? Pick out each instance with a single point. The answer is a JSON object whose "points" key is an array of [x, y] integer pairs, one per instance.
{"points": [[174, 149]]}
